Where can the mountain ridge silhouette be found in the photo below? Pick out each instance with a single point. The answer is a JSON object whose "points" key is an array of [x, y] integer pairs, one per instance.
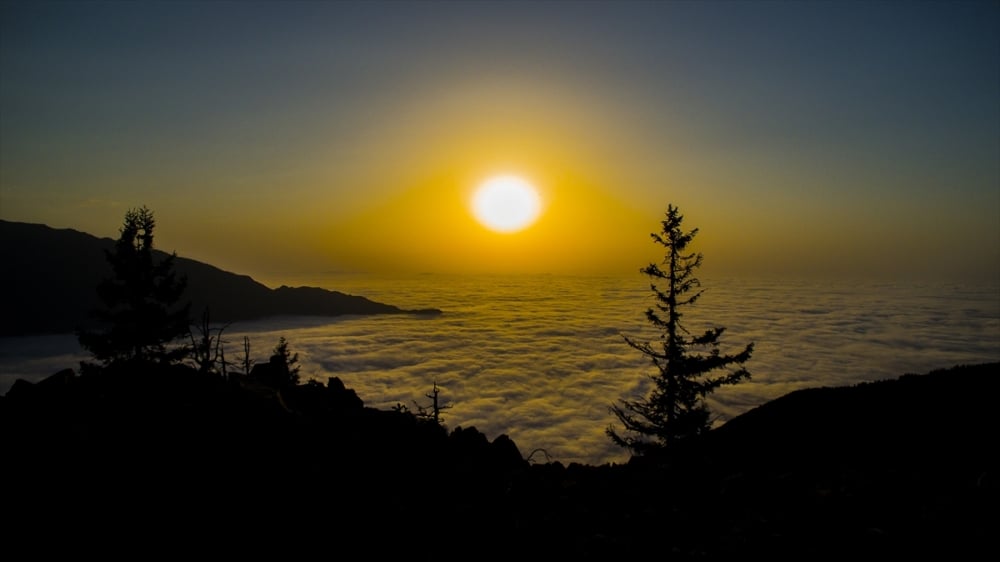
{"points": [[51, 276]]}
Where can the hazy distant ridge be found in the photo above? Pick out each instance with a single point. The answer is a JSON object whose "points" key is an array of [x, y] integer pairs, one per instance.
{"points": [[50, 277]]}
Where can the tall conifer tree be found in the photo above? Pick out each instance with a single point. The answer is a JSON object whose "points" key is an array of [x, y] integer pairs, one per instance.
{"points": [[141, 314], [675, 408]]}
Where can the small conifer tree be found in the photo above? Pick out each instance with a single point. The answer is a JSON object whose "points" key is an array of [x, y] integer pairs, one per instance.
{"points": [[287, 363]]}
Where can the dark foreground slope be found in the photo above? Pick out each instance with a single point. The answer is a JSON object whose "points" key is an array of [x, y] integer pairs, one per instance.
{"points": [[903, 467], [51, 275], [170, 461]]}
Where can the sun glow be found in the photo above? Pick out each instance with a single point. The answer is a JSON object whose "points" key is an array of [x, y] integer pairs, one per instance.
{"points": [[506, 204]]}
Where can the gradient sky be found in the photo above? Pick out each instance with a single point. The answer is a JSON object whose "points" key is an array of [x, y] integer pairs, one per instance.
{"points": [[857, 139]]}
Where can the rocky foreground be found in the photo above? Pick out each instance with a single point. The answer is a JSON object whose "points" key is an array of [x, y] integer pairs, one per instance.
{"points": [[172, 462]]}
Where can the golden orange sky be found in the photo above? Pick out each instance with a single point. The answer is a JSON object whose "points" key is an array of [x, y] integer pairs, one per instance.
{"points": [[290, 139]]}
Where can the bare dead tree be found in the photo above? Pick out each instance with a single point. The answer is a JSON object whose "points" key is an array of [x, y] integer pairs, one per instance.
{"points": [[433, 412], [207, 352], [246, 360]]}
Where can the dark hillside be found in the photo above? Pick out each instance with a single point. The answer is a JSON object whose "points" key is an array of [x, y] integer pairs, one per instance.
{"points": [[941, 411], [180, 460]]}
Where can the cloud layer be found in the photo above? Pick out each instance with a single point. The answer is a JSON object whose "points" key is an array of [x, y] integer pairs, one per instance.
{"points": [[541, 358]]}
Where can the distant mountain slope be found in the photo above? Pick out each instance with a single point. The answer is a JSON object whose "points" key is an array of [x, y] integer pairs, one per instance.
{"points": [[50, 276]]}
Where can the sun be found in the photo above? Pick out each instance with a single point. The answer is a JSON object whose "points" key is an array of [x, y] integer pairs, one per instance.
{"points": [[506, 203]]}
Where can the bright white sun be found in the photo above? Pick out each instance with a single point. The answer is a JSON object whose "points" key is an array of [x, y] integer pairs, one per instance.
{"points": [[506, 204]]}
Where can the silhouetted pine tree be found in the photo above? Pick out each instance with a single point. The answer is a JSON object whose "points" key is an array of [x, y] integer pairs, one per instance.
{"points": [[286, 362], [141, 314], [675, 408]]}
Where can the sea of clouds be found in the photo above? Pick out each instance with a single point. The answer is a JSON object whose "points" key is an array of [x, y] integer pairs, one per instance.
{"points": [[540, 358]]}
